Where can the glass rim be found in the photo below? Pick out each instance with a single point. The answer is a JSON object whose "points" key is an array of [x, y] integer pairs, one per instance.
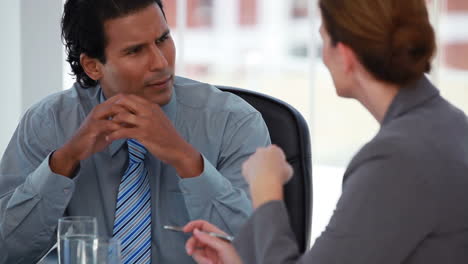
{"points": [[75, 218], [107, 240]]}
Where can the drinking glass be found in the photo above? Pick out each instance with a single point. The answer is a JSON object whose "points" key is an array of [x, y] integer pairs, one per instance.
{"points": [[104, 251], [89, 250], [73, 235]]}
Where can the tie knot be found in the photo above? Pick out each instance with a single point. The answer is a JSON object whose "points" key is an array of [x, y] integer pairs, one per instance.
{"points": [[136, 151]]}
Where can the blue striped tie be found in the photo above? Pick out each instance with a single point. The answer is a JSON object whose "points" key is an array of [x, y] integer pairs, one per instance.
{"points": [[132, 224]]}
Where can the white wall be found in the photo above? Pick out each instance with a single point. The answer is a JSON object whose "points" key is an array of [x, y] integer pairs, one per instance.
{"points": [[10, 67], [41, 49], [32, 61]]}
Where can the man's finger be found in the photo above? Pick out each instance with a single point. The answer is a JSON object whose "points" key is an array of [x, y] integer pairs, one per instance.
{"points": [[113, 99], [107, 111], [107, 126], [123, 133], [134, 104], [126, 118]]}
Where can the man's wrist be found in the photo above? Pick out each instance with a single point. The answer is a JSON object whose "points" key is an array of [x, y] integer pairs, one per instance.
{"points": [[63, 163], [190, 164]]}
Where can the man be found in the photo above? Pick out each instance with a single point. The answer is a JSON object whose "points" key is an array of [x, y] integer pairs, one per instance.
{"points": [[129, 143]]}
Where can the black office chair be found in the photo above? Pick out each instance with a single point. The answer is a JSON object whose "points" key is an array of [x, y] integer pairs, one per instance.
{"points": [[288, 130]]}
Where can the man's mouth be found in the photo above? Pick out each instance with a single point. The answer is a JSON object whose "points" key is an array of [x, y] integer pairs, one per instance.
{"points": [[161, 82]]}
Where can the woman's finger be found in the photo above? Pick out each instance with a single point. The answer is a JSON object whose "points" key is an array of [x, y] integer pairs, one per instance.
{"points": [[202, 225], [190, 245], [210, 241], [194, 224], [200, 258]]}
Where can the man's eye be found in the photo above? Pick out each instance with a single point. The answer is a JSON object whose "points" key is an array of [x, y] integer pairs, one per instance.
{"points": [[134, 50], [162, 39]]}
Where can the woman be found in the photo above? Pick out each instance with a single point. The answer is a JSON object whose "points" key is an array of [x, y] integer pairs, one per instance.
{"points": [[405, 193]]}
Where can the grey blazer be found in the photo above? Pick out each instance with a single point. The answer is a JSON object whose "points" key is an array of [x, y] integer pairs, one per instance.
{"points": [[404, 200]]}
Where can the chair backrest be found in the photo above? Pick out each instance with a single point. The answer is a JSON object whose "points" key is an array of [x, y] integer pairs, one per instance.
{"points": [[288, 130]]}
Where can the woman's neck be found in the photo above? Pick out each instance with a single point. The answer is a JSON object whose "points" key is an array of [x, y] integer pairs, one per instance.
{"points": [[376, 96]]}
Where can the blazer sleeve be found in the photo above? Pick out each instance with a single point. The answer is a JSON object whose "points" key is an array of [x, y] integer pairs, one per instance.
{"points": [[387, 208], [267, 237]]}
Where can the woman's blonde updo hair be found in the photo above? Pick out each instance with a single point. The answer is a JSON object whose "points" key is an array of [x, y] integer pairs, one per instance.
{"points": [[393, 39]]}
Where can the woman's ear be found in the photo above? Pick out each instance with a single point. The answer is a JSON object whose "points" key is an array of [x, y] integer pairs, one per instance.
{"points": [[91, 66], [348, 57]]}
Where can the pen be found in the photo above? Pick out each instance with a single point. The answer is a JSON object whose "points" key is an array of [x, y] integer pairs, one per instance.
{"points": [[226, 238]]}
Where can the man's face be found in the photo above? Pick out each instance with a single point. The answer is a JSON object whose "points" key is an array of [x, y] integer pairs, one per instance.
{"points": [[140, 55]]}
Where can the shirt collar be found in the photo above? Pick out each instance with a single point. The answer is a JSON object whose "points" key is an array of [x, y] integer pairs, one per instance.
{"points": [[410, 97], [169, 109]]}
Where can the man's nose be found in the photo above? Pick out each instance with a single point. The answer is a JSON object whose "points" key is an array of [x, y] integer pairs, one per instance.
{"points": [[158, 60]]}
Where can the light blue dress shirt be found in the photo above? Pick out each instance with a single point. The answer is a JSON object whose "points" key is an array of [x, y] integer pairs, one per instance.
{"points": [[221, 126]]}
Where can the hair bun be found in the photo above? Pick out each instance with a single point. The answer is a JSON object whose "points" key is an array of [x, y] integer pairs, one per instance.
{"points": [[411, 49]]}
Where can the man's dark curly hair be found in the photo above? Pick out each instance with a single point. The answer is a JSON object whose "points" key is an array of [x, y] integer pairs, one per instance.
{"points": [[83, 29]]}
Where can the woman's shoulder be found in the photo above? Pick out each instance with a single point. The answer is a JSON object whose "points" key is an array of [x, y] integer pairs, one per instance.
{"points": [[435, 148]]}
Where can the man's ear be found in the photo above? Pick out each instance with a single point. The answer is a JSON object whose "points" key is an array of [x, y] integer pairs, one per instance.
{"points": [[348, 57], [91, 66]]}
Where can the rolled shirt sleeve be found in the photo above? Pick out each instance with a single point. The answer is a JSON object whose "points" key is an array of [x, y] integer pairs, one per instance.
{"points": [[220, 194], [32, 197], [35, 205]]}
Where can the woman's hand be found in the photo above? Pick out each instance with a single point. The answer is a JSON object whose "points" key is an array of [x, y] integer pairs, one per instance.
{"points": [[266, 171], [206, 249]]}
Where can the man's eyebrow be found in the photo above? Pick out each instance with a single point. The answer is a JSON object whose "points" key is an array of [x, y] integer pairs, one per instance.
{"points": [[133, 46], [138, 45], [164, 34]]}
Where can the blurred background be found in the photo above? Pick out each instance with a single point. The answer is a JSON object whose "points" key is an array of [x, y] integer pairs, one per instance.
{"points": [[270, 46]]}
